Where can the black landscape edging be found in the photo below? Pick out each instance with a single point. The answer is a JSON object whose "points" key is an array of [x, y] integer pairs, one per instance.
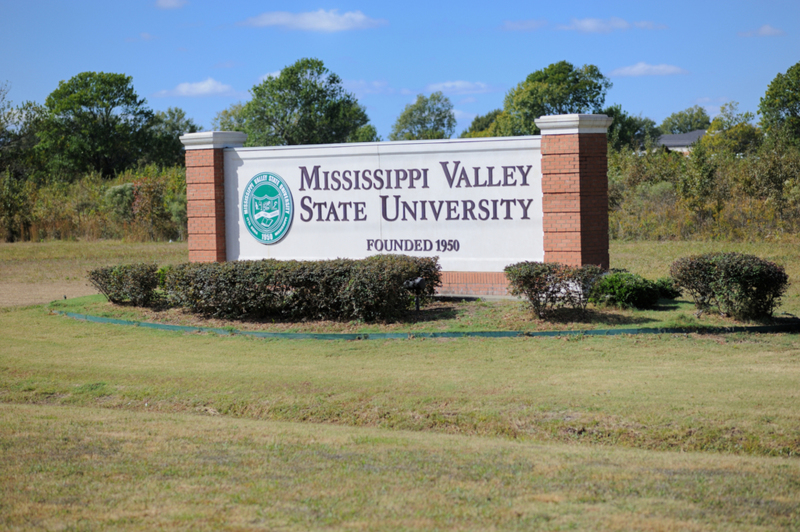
{"points": [[786, 327]]}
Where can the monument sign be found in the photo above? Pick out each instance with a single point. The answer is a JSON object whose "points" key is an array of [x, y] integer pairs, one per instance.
{"points": [[479, 204]]}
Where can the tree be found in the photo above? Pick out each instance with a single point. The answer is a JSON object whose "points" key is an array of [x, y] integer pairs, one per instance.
{"points": [[628, 130], [685, 121], [18, 153], [366, 133], [305, 104], [5, 109], [426, 118], [780, 106], [230, 119], [557, 89], [95, 122], [481, 125], [166, 148], [18, 128], [732, 132]]}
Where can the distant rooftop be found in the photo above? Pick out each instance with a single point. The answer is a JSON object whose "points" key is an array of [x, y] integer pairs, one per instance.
{"points": [[681, 140]]}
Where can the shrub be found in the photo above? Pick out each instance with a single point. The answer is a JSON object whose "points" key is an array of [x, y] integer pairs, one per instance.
{"points": [[742, 286], [369, 289], [227, 289], [119, 202], [373, 290], [132, 282], [625, 290], [547, 286], [667, 288], [538, 282], [581, 282]]}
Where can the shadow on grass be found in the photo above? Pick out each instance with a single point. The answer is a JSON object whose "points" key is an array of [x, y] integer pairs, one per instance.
{"points": [[429, 313], [595, 317]]}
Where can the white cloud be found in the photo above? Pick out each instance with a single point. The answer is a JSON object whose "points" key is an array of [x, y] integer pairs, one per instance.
{"points": [[171, 4], [648, 25], [142, 37], [361, 88], [209, 87], [523, 25], [643, 69], [712, 105], [459, 87], [463, 115], [764, 31], [596, 25], [268, 74], [324, 21]]}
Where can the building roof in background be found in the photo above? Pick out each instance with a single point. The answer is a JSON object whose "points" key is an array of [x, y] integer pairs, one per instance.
{"points": [[681, 140]]}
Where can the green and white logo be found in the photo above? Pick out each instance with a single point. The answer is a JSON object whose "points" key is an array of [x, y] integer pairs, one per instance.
{"points": [[267, 207]]}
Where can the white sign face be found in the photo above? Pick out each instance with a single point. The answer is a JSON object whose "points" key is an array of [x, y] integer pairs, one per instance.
{"points": [[476, 203]]}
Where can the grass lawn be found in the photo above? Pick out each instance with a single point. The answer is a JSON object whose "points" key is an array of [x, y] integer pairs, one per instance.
{"points": [[98, 469], [121, 427]]}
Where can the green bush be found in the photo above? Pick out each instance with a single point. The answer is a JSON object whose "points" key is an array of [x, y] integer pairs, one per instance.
{"points": [[369, 289], [625, 290], [738, 285], [667, 288], [131, 282], [548, 286]]}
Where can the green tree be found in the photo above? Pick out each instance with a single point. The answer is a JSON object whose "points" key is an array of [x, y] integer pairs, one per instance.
{"points": [[628, 131], [366, 133], [166, 148], [230, 119], [305, 104], [685, 121], [773, 172], [481, 125], [18, 128], [732, 132], [560, 88], [95, 122], [780, 106], [5, 109], [426, 118]]}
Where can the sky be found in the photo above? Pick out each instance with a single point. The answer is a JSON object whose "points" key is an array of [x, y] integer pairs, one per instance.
{"points": [[203, 56]]}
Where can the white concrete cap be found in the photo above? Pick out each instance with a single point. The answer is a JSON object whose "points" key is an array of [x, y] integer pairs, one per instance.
{"points": [[206, 140], [572, 124]]}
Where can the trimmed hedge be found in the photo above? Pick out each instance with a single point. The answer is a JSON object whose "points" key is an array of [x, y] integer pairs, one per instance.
{"points": [[625, 290], [738, 285], [550, 285], [128, 282], [667, 289], [369, 289]]}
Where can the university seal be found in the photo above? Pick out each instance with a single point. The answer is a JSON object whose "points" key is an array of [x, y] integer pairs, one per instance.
{"points": [[267, 208]]}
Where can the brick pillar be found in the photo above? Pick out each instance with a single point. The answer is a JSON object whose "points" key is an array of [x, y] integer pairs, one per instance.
{"points": [[575, 189], [205, 192]]}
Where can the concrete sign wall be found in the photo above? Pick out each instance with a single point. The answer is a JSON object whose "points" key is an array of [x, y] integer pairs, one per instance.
{"points": [[479, 204]]}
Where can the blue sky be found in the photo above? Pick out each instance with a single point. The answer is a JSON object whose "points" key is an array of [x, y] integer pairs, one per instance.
{"points": [[202, 56]]}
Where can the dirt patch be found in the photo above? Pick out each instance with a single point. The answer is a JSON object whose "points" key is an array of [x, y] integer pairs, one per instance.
{"points": [[16, 294]]}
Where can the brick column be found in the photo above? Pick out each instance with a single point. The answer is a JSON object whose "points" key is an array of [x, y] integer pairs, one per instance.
{"points": [[575, 189], [205, 192]]}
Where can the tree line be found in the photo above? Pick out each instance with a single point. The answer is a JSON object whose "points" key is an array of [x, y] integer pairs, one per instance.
{"points": [[94, 132]]}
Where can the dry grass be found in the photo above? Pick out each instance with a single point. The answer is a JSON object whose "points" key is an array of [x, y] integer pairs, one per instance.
{"points": [[106, 427], [98, 469], [68, 260]]}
